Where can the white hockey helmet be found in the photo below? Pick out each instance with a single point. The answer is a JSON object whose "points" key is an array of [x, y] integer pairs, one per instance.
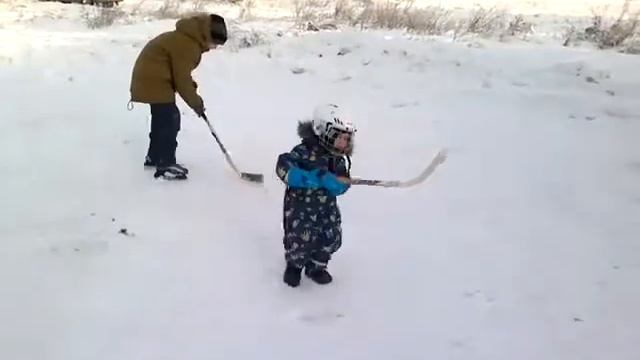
{"points": [[329, 122]]}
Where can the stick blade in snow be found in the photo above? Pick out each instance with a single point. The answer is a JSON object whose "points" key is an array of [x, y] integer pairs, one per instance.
{"points": [[256, 178]]}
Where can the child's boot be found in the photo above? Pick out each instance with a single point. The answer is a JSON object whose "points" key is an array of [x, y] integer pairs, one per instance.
{"points": [[171, 172], [320, 276], [292, 275]]}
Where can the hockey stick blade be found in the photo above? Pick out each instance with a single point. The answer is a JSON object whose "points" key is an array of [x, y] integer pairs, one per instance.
{"points": [[437, 160], [251, 177], [256, 178]]}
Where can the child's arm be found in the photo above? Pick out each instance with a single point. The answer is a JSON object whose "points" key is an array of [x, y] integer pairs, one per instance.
{"points": [[183, 62], [288, 169]]}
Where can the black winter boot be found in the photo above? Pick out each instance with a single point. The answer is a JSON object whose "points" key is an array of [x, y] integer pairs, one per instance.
{"points": [[171, 172], [181, 168], [320, 276], [292, 275], [148, 163]]}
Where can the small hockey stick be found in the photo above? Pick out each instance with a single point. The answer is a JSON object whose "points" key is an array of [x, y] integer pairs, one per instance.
{"points": [[437, 160]]}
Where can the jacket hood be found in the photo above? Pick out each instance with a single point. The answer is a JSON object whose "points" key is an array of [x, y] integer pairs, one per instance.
{"points": [[198, 28], [305, 132]]}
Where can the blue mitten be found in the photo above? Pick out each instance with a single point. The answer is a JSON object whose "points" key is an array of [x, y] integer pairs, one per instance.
{"points": [[334, 186], [299, 178]]}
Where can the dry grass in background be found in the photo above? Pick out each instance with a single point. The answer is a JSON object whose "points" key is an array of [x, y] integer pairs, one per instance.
{"points": [[623, 32], [620, 32]]}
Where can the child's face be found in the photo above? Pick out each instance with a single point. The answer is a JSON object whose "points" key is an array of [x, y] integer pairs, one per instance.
{"points": [[343, 142]]}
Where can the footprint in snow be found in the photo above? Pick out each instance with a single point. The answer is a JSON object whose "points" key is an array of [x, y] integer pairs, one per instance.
{"points": [[125, 232], [80, 247], [417, 67], [298, 70], [322, 316], [620, 113], [634, 166], [344, 51], [480, 297], [405, 104], [458, 344], [591, 80]]}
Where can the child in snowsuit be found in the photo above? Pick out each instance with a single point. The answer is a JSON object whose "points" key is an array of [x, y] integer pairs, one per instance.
{"points": [[316, 173], [163, 68]]}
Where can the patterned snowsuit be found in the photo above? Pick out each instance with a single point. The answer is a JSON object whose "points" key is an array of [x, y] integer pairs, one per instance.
{"points": [[312, 220]]}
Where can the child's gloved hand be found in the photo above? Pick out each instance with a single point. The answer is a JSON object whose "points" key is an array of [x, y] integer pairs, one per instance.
{"points": [[333, 184], [299, 178]]}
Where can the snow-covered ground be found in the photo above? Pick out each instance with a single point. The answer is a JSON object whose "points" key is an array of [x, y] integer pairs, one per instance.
{"points": [[523, 245]]}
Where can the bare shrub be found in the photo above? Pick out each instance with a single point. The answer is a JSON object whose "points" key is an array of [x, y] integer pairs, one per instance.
{"points": [[241, 37], [518, 26], [431, 20], [174, 9], [101, 17], [199, 5], [606, 34], [364, 14], [570, 35], [137, 8], [614, 35], [631, 46], [403, 14], [350, 11], [247, 8], [482, 21], [390, 15], [170, 9], [343, 9], [250, 38], [306, 11]]}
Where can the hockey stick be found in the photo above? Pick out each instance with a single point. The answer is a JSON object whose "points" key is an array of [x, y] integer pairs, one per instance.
{"points": [[437, 160], [252, 177]]}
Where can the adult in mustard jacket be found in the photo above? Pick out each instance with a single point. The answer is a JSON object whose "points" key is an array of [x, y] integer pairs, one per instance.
{"points": [[163, 69]]}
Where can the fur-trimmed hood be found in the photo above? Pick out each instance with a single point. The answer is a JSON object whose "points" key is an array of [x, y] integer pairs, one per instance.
{"points": [[305, 131]]}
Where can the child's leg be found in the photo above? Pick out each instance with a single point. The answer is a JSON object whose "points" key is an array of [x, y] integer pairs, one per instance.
{"points": [[328, 243], [153, 153], [165, 123], [172, 143], [298, 246]]}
